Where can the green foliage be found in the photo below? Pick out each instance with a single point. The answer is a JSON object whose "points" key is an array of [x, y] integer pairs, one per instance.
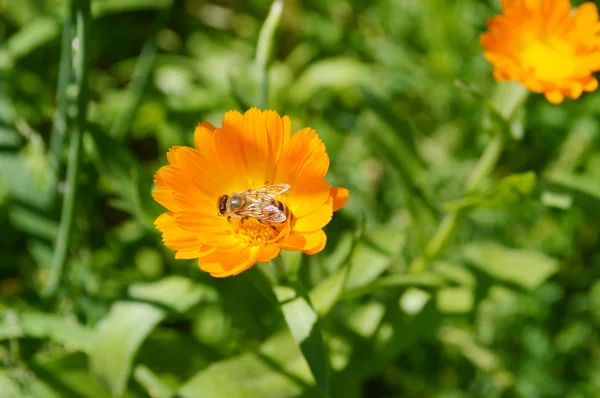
{"points": [[464, 265]]}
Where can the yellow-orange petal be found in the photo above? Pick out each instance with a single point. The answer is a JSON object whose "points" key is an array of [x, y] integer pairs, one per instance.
{"points": [[295, 241], [303, 241], [307, 197], [227, 263], [174, 237], [173, 178], [196, 169], [303, 164], [189, 254], [269, 252], [590, 84], [545, 46], [315, 220], [257, 139], [278, 130], [340, 197], [315, 242], [554, 96], [257, 148], [203, 135], [303, 156], [231, 159]]}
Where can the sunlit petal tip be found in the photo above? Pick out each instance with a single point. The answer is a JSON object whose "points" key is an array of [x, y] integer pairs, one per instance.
{"points": [[340, 197], [316, 243], [249, 152], [203, 134], [554, 97], [590, 85], [545, 46]]}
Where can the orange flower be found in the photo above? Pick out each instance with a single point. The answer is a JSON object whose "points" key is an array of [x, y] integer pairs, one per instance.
{"points": [[545, 46], [250, 152]]}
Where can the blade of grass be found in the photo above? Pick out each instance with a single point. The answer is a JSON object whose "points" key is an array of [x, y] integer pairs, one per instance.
{"points": [[59, 125], [80, 15], [264, 49], [410, 193], [139, 79], [400, 125]]}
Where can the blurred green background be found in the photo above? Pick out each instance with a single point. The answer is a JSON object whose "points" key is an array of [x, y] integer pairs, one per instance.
{"points": [[399, 91]]}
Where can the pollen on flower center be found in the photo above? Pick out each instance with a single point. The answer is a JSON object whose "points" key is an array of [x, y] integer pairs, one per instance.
{"points": [[549, 60], [253, 232]]}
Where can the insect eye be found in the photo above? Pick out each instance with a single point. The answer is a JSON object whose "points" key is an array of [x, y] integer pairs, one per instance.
{"points": [[236, 201], [223, 204]]}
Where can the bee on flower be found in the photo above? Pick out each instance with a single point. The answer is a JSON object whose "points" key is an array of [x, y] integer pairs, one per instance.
{"points": [[545, 45], [248, 190]]}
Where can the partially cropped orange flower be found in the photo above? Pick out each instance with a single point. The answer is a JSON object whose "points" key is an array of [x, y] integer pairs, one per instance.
{"points": [[546, 46], [248, 190]]}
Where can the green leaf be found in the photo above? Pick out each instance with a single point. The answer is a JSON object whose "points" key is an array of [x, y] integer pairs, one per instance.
{"points": [[23, 180], [118, 337], [508, 191], [577, 190], [34, 223], [46, 326], [31, 36], [480, 356], [527, 268], [278, 369], [327, 292], [413, 301], [395, 281], [9, 386], [302, 321], [366, 319], [175, 292], [338, 74], [151, 383], [106, 7], [373, 255], [454, 273], [59, 375], [455, 300], [120, 334]]}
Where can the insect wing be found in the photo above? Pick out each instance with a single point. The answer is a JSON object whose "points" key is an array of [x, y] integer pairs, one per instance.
{"points": [[271, 191], [271, 213], [253, 209], [263, 212]]}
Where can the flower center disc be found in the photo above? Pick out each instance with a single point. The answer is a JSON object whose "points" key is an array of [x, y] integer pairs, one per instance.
{"points": [[253, 232], [550, 59]]}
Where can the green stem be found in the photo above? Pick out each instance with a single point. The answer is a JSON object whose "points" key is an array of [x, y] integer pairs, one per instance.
{"points": [[486, 163], [80, 14], [508, 100], [264, 48], [450, 222]]}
